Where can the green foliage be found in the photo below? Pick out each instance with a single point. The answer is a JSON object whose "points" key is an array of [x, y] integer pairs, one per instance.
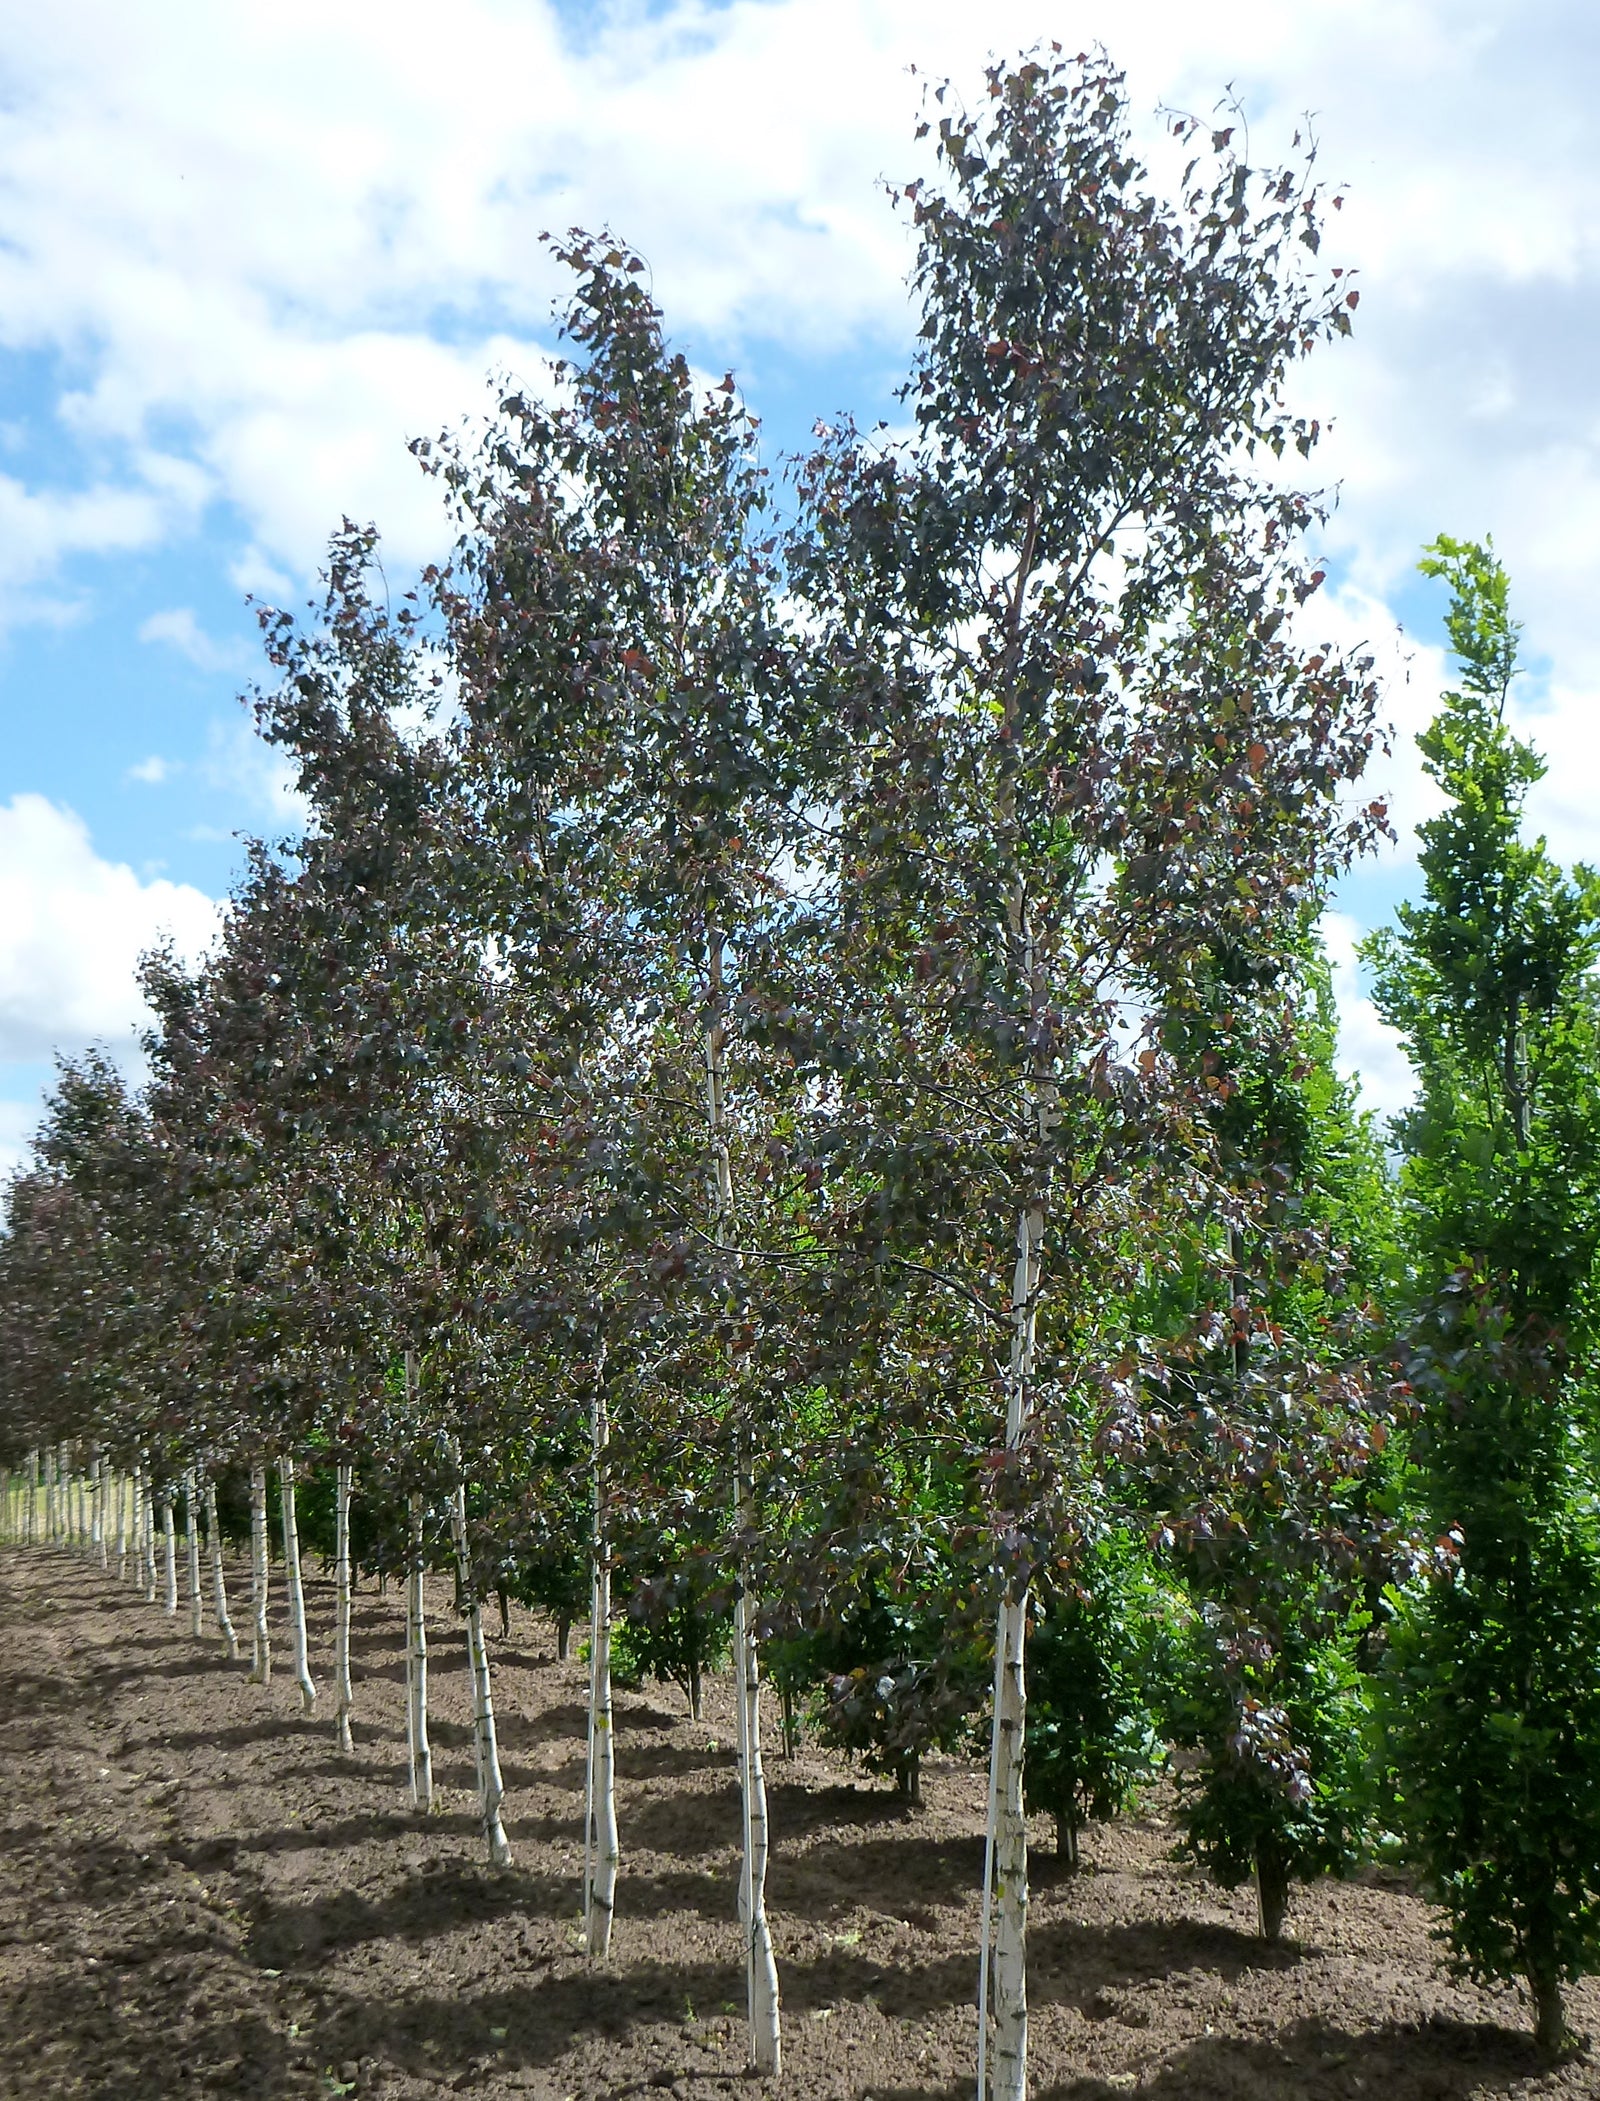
{"points": [[894, 1680], [674, 1632], [1282, 1790], [1492, 1697], [1100, 1665], [1493, 1693]]}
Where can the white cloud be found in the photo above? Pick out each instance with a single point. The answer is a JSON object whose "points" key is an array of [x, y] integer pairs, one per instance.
{"points": [[1369, 1050], [268, 247], [72, 927], [18, 1122], [237, 762], [261, 249], [151, 772], [180, 630]]}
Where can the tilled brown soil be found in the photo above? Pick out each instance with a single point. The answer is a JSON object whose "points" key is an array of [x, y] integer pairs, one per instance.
{"points": [[199, 1895]]}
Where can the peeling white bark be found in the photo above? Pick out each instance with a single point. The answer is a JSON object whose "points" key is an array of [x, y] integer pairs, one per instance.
{"points": [[761, 1968], [102, 1480], [297, 1599], [169, 1551], [260, 1569], [219, 1581], [486, 1748], [601, 1851], [417, 1745], [147, 1536], [1005, 1886], [191, 1520], [342, 1693]]}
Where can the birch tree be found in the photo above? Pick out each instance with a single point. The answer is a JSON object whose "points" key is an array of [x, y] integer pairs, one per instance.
{"points": [[623, 673], [1082, 747]]}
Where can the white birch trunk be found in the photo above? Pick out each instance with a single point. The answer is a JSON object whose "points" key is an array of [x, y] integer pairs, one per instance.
{"points": [[260, 1571], [147, 1534], [122, 1528], [1005, 1881], [761, 1968], [219, 1581], [486, 1748], [81, 1499], [417, 1745], [342, 1694], [297, 1597], [169, 1551], [102, 1474], [191, 1518], [49, 1496], [601, 1852]]}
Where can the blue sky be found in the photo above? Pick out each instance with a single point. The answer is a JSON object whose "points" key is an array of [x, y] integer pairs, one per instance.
{"points": [[245, 253]]}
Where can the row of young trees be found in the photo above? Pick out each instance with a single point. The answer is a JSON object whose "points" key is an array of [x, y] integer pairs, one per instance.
{"points": [[785, 1097]]}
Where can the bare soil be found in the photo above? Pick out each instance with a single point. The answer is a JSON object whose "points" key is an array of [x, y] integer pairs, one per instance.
{"points": [[199, 1895]]}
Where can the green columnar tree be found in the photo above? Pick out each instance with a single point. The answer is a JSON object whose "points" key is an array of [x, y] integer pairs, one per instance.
{"points": [[1495, 1689]]}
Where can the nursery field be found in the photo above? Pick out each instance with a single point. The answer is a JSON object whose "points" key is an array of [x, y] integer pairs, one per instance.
{"points": [[200, 1896]]}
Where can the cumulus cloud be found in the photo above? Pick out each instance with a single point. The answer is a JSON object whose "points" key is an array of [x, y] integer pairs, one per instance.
{"points": [[268, 248], [257, 250], [1369, 1050], [180, 630], [72, 927]]}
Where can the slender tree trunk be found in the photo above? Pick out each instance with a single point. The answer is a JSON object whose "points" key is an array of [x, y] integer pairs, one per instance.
{"points": [[343, 1696], [761, 1968], [169, 1550], [762, 1995], [81, 1485], [601, 1853], [98, 1523], [191, 1521], [1550, 2031], [219, 1581], [1272, 1890], [491, 1788], [122, 1528], [49, 1496], [260, 1570], [417, 1745], [147, 1528], [1003, 2068], [297, 1596]]}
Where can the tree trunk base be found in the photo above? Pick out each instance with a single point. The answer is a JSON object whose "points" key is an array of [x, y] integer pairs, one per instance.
{"points": [[1550, 2031], [1272, 1894]]}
